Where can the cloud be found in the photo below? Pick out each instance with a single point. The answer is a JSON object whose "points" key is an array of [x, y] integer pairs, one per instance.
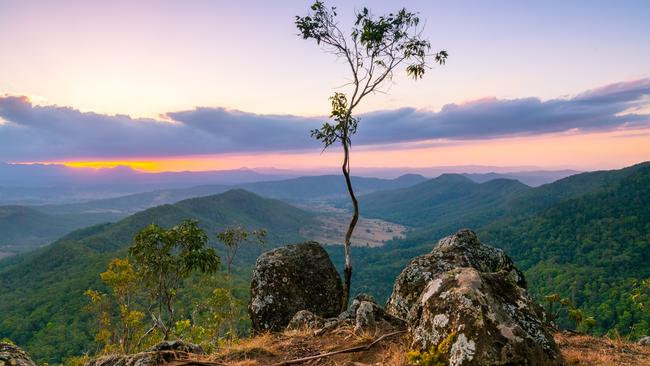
{"points": [[30, 132]]}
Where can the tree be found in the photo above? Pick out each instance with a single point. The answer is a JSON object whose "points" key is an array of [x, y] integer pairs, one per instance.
{"points": [[226, 308], [233, 237], [163, 258], [122, 335], [375, 48], [555, 305]]}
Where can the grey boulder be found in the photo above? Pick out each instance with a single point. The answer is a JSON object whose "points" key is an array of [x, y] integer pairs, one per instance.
{"points": [[293, 278]]}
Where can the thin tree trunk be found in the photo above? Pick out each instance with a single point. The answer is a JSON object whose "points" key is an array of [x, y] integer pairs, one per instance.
{"points": [[353, 223]]}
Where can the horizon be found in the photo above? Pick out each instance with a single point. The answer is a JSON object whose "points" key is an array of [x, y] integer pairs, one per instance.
{"points": [[553, 89]]}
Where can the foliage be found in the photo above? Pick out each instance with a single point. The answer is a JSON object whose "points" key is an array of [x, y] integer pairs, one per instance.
{"points": [[555, 304], [233, 237], [437, 355], [122, 333], [163, 258], [641, 294], [374, 49], [166, 258]]}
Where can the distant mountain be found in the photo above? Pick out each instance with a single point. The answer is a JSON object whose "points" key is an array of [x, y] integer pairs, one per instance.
{"points": [[448, 198], [300, 190], [42, 292], [531, 178], [435, 171], [44, 175], [327, 186], [455, 198], [55, 184], [129, 204], [39, 184]]}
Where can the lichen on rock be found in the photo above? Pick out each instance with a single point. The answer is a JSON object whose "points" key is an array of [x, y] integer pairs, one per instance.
{"points": [[462, 249], [484, 310]]}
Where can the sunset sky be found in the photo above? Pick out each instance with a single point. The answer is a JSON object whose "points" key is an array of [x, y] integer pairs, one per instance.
{"points": [[203, 85]]}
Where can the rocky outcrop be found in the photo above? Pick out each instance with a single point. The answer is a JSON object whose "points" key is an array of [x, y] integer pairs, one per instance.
{"points": [[177, 345], [460, 250], [14, 356], [364, 314], [160, 354], [645, 341], [468, 303], [293, 278], [479, 318]]}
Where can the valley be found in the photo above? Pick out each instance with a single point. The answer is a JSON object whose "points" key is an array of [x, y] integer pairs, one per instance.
{"points": [[369, 233]]}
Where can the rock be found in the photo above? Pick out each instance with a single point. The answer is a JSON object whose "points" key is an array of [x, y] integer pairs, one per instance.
{"points": [[351, 312], [14, 356], [478, 318], [160, 354], [462, 249], [293, 278], [645, 341], [177, 345], [365, 317], [366, 313], [305, 320]]}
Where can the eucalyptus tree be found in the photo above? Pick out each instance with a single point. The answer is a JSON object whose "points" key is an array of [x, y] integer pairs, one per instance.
{"points": [[374, 49], [234, 236], [163, 259]]}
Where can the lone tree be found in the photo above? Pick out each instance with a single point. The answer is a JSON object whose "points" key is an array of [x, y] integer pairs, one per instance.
{"points": [[374, 49]]}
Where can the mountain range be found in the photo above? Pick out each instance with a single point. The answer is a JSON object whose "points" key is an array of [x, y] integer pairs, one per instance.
{"points": [[30, 227], [39, 184], [584, 237]]}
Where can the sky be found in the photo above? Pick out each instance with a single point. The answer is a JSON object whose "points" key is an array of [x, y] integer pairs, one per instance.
{"points": [[202, 85]]}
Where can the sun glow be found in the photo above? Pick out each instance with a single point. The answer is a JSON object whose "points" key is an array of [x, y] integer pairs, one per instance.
{"points": [[146, 166]]}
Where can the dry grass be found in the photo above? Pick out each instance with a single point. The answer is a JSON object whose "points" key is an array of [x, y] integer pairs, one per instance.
{"points": [[268, 349], [579, 350]]}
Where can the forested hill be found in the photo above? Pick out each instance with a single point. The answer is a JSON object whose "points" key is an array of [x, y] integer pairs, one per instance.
{"points": [[586, 237], [433, 203], [42, 292], [589, 249], [450, 198]]}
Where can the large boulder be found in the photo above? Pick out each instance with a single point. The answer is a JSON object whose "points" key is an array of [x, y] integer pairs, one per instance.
{"points": [[478, 318], [462, 249], [11, 355], [293, 278]]}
